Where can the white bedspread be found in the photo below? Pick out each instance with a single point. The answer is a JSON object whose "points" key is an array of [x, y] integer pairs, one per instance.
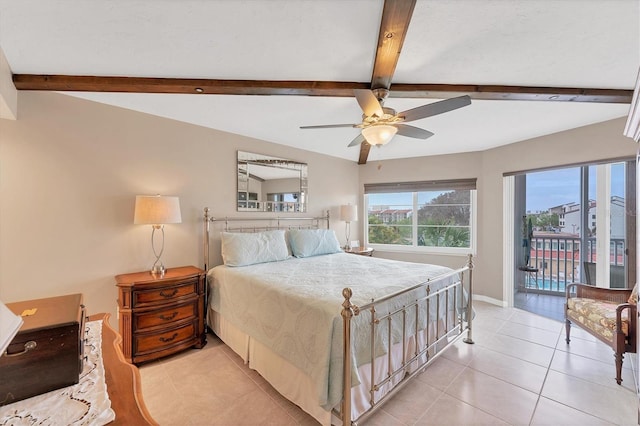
{"points": [[293, 307]]}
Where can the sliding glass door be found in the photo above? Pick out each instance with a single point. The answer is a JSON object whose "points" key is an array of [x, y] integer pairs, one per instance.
{"points": [[576, 224], [609, 259]]}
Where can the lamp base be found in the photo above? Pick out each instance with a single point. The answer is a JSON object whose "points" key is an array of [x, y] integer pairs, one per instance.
{"points": [[347, 232], [158, 270], [158, 267]]}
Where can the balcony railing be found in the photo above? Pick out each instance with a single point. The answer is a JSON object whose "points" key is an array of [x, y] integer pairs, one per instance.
{"points": [[558, 262]]}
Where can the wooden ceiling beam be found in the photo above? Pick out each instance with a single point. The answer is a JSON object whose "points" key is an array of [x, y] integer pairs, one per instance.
{"points": [[364, 152], [512, 93], [396, 16], [83, 83], [64, 83]]}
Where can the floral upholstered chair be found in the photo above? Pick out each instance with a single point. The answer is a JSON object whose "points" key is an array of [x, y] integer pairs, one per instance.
{"points": [[608, 314]]}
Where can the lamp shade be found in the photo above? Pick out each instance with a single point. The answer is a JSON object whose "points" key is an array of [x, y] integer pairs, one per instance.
{"points": [[348, 213], [156, 210], [379, 134]]}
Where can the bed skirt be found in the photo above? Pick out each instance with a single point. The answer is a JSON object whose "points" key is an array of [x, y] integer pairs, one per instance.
{"points": [[296, 386]]}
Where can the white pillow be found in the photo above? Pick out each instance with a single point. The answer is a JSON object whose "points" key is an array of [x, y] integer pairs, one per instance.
{"points": [[242, 249], [313, 242]]}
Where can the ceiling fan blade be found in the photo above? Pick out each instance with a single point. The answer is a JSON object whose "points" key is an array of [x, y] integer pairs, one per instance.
{"points": [[328, 126], [357, 140], [368, 102], [412, 131], [435, 108]]}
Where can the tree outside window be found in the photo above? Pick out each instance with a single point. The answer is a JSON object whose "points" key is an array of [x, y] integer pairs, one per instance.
{"points": [[439, 218]]}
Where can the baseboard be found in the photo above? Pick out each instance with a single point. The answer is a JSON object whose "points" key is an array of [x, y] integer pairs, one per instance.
{"points": [[491, 300]]}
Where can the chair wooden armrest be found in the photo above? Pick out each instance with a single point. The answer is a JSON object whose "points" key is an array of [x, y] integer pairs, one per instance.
{"points": [[613, 295], [633, 315]]}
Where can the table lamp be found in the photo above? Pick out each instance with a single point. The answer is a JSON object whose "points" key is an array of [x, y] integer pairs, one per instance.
{"points": [[157, 210], [348, 214]]}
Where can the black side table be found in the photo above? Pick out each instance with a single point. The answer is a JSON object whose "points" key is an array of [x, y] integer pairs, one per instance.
{"points": [[531, 272]]}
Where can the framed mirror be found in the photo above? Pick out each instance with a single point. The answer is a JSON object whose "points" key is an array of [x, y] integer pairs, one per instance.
{"points": [[271, 184]]}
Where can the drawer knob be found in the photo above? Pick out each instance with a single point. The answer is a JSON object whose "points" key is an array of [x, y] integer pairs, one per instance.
{"points": [[169, 339], [30, 345], [170, 294], [168, 317]]}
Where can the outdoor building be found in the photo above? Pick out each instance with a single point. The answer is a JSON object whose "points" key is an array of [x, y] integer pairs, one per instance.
{"points": [[569, 215], [387, 215], [555, 253]]}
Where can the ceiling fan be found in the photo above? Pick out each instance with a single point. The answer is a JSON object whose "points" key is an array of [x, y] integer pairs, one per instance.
{"points": [[380, 124]]}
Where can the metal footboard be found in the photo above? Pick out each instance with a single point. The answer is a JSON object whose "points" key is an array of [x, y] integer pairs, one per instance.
{"points": [[448, 329]]}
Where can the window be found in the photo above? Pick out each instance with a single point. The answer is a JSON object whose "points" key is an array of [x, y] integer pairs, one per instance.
{"points": [[433, 216]]}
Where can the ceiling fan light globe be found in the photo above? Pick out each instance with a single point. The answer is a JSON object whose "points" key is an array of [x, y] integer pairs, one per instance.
{"points": [[379, 135]]}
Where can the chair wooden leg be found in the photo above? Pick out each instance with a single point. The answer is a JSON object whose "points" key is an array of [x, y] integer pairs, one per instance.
{"points": [[567, 325], [619, 358]]}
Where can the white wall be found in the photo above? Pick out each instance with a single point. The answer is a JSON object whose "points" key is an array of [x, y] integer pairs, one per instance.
{"points": [[69, 173], [70, 170], [589, 143]]}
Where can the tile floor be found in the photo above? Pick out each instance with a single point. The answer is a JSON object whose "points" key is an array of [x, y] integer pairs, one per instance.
{"points": [[547, 305], [519, 372]]}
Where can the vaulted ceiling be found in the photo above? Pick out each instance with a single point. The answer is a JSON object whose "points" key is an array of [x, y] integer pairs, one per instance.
{"points": [[264, 68]]}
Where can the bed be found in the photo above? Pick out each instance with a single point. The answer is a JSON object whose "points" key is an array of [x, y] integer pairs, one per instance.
{"points": [[294, 306]]}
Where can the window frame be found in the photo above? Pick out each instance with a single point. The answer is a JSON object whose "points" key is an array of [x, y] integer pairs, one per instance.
{"points": [[414, 248]]}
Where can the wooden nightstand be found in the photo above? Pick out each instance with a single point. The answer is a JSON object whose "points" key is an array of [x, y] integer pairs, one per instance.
{"points": [[159, 316], [362, 251]]}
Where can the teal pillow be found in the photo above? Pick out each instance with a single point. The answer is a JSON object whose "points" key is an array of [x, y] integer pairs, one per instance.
{"points": [[242, 249], [313, 242]]}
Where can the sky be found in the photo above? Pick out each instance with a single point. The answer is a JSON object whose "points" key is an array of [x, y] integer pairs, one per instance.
{"points": [[555, 187]]}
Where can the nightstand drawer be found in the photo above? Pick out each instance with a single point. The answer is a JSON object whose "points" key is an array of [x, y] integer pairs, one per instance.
{"points": [[167, 293], [153, 342], [162, 317]]}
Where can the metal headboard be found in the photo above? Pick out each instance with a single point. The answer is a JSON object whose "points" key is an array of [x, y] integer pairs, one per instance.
{"points": [[277, 222]]}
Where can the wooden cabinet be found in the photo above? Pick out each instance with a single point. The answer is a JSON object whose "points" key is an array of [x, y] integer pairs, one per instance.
{"points": [[159, 316], [47, 352]]}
